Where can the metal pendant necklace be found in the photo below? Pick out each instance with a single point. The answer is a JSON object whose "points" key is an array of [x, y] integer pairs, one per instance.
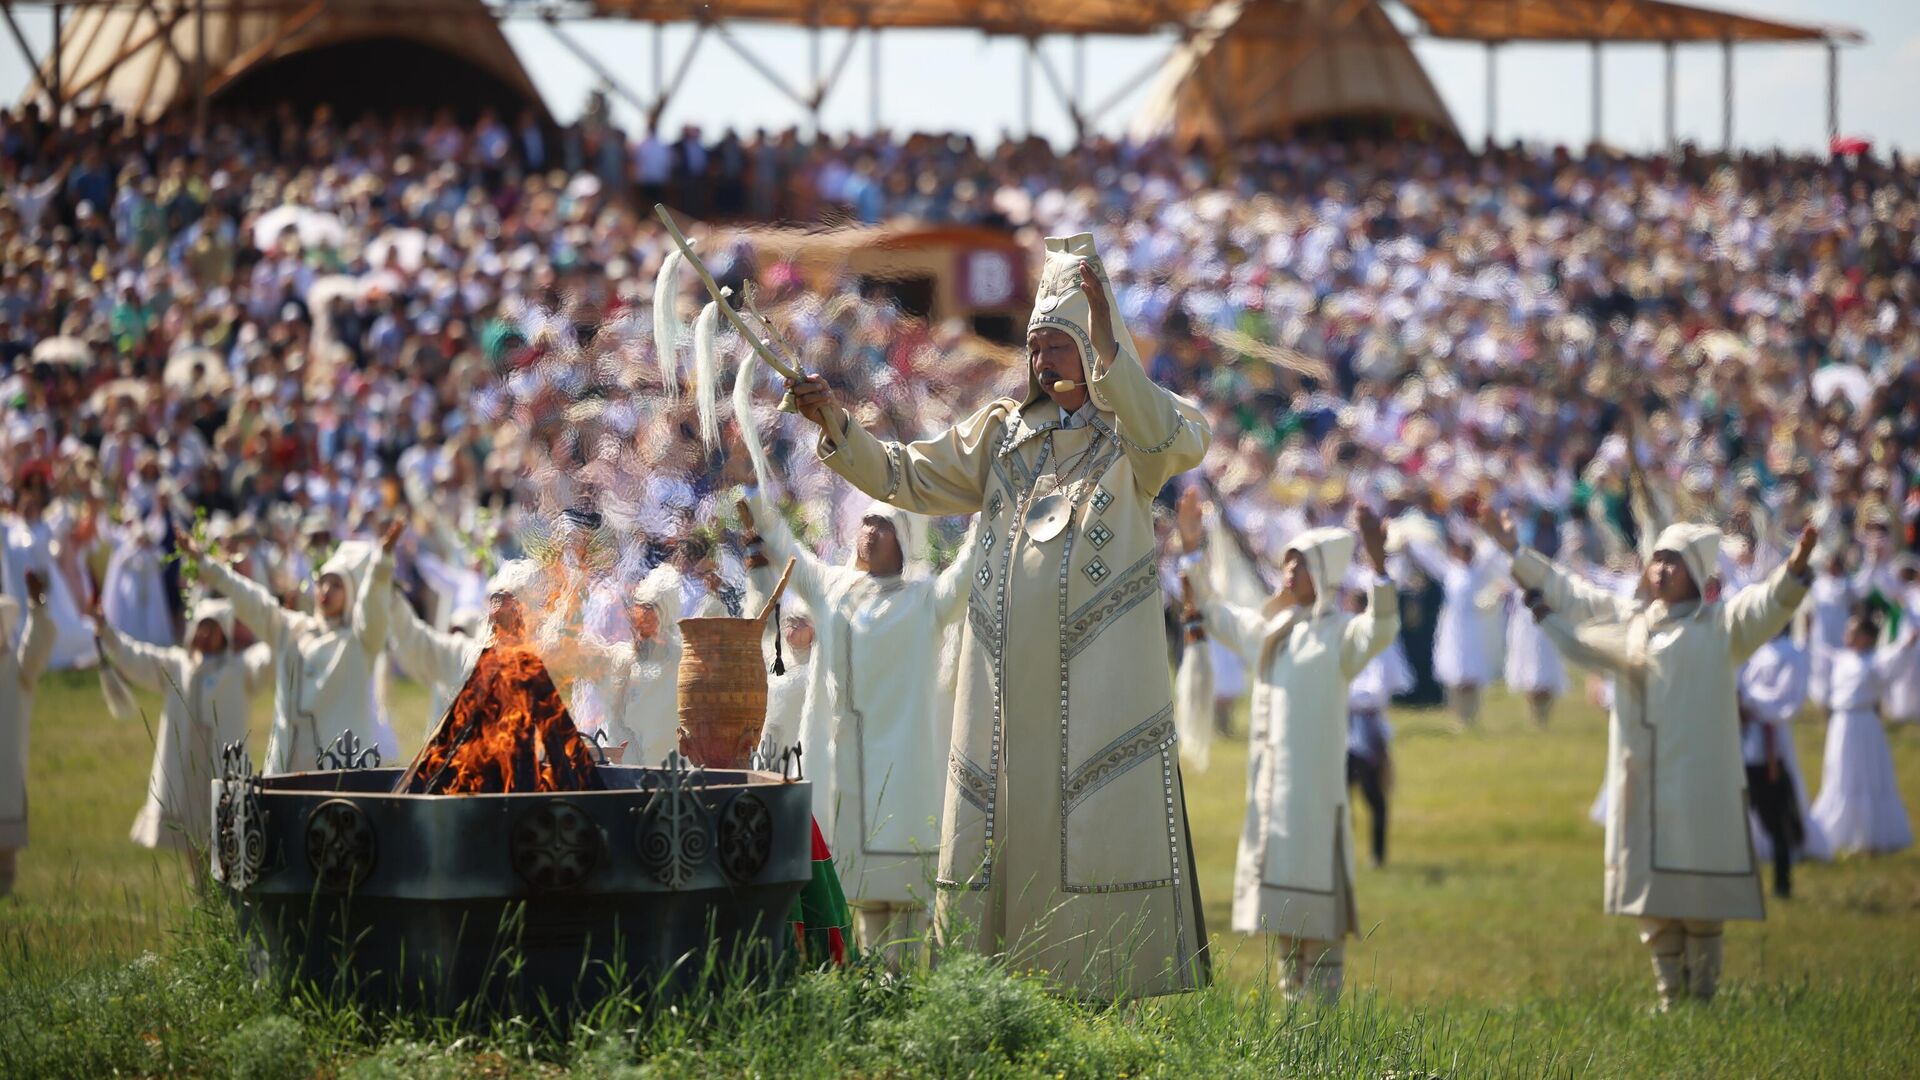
{"points": [[1047, 514]]}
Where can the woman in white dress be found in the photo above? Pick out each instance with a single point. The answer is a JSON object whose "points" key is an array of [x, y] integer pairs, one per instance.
{"points": [[206, 691], [1859, 809], [1461, 659], [133, 595], [29, 541], [1534, 668]]}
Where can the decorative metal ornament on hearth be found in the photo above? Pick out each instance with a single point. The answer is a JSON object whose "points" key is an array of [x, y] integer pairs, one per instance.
{"points": [[345, 752], [674, 836]]}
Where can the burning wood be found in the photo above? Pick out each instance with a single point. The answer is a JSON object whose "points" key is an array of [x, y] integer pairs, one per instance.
{"points": [[506, 731]]}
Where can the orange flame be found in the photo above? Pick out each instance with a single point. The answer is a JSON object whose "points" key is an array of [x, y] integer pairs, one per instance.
{"points": [[506, 731]]}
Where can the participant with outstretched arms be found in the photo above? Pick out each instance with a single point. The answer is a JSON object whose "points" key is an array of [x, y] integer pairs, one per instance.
{"points": [[324, 661], [1678, 855], [1064, 834], [206, 690], [870, 726], [1294, 874]]}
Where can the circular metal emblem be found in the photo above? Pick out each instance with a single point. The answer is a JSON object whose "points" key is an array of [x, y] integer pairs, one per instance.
{"points": [[746, 837], [555, 846], [340, 845]]}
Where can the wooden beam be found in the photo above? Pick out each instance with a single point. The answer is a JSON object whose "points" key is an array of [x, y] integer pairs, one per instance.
{"points": [[288, 29], [20, 39], [679, 75], [594, 65]]}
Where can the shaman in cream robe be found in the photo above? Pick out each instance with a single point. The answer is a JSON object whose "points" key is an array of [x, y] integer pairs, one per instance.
{"points": [[205, 701], [1677, 843], [323, 669], [1294, 875], [1063, 835], [25, 648], [871, 726]]}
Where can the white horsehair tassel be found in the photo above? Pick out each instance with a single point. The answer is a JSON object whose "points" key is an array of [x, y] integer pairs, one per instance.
{"points": [[743, 381], [706, 372], [666, 322]]}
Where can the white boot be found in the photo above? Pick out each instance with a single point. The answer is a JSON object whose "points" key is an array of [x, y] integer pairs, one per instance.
{"points": [[1703, 964]]}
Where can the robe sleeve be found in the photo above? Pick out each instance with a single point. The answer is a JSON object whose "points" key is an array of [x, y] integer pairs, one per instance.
{"points": [[424, 652], [1756, 613], [954, 584], [144, 665], [1597, 646], [373, 609], [945, 474], [1369, 635], [1578, 601], [812, 578], [36, 646], [252, 603], [1240, 629], [1162, 434]]}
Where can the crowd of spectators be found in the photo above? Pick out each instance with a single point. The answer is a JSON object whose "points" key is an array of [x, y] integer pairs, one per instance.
{"points": [[307, 325]]}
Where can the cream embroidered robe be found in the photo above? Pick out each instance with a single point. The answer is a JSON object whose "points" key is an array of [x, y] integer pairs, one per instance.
{"points": [[1294, 874], [1677, 842], [1064, 833]]}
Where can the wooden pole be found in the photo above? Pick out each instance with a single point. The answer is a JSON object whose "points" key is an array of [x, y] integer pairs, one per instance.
{"points": [[1599, 94], [1493, 94], [1726, 96], [1833, 92], [1673, 141], [58, 91], [200, 73]]}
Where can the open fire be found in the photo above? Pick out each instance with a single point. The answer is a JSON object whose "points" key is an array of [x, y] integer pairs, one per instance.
{"points": [[507, 731]]}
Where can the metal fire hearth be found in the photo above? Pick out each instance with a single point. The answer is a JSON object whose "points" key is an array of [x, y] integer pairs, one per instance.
{"points": [[516, 902]]}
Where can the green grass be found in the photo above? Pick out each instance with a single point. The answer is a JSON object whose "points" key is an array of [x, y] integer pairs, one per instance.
{"points": [[1485, 955]]}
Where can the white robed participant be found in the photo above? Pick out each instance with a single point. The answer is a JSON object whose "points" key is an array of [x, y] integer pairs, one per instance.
{"points": [[25, 646], [1678, 855], [28, 541], [1533, 667], [1462, 661], [1828, 604], [1063, 840], [636, 680], [871, 727], [206, 691], [1859, 809], [1294, 873], [323, 662], [443, 660], [133, 594]]}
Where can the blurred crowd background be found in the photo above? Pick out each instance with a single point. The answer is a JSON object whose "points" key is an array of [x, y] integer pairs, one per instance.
{"points": [[306, 327]]}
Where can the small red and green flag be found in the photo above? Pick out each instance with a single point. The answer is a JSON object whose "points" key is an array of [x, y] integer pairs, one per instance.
{"points": [[822, 921]]}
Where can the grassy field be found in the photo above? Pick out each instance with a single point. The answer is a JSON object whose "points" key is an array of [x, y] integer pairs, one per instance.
{"points": [[1485, 954]]}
